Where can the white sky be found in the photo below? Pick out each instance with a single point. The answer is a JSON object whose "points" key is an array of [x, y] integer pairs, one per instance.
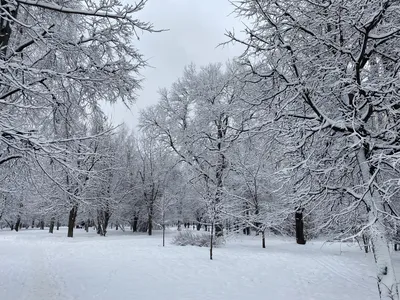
{"points": [[196, 27]]}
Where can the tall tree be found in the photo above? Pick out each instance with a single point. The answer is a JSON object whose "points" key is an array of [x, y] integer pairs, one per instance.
{"points": [[332, 70]]}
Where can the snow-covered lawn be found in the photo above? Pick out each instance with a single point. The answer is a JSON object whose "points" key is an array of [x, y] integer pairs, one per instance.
{"points": [[35, 265]]}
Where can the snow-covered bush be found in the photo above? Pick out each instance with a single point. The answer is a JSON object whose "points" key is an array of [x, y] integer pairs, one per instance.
{"points": [[185, 238]]}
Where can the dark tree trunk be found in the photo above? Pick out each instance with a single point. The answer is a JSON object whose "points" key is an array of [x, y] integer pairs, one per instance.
{"points": [[135, 224], [299, 227], [17, 224], [366, 243], [150, 220], [87, 223], [150, 224], [246, 231], [99, 230], [163, 235], [42, 225], [263, 238], [51, 228], [198, 226], [105, 222], [211, 241], [58, 225], [71, 220], [103, 217]]}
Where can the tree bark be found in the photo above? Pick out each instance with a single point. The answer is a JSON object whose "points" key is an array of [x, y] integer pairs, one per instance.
{"points": [[42, 225], [263, 238], [211, 241], [299, 226], [163, 235], [17, 224], [365, 243], [87, 225], [150, 225], [246, 230], [71, 220], [106, 218], [150, 220], [51, 228], [135, 224], [387, 283]]}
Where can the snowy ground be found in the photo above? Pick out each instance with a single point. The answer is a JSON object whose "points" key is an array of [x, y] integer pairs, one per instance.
{"points": [[35, 265]]}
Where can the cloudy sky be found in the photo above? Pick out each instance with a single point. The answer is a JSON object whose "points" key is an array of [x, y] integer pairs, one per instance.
{"points": [[196, 27]]}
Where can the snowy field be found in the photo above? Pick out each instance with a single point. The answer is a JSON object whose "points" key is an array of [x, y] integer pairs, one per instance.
{"points": [[35, 265]]}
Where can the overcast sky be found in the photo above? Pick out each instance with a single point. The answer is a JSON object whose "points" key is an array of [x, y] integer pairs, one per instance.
{"points": [[196, 27]]}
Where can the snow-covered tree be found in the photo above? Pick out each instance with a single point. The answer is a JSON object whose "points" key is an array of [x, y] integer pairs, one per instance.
{"points": [[332, 70]]}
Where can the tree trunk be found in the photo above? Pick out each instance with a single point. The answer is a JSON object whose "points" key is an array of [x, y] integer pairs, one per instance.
{"points": [[71, 220], [211, 241], [99, 229], [87, 225], [163, 235], [365, 243], [150, 221], [246, 231], [51, 228], [103, 216], [263, 238], [299, 226], [135, 224], [179, 226], [17, 224], [387, 284], [105, 220]]}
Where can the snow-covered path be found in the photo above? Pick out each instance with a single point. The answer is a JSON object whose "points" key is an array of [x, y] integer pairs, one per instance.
{"points": [[37, 266]]}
